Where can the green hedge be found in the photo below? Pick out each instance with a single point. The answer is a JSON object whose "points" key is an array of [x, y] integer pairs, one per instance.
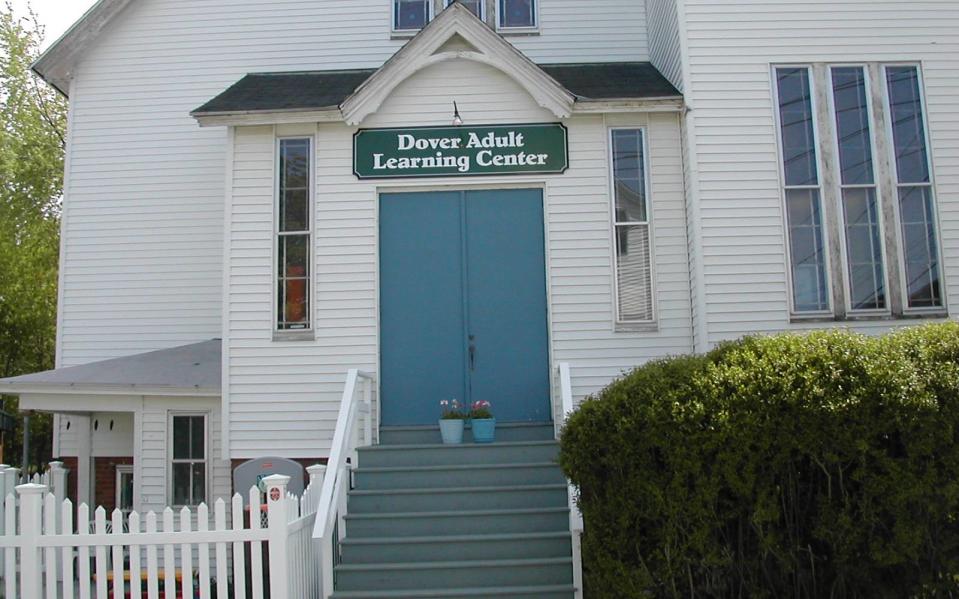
{"points": [[819, 465]]}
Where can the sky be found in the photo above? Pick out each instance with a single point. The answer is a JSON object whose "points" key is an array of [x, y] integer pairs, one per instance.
{"points": [[55, 15]]}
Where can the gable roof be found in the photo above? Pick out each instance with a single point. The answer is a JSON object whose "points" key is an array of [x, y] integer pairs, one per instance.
{"points": [[56, 64], [456, 33], [326, 90], [190, 368]]}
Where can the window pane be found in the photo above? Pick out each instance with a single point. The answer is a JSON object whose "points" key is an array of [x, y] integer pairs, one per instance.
{"points": [[807, 250], [798, 138], [411, 14], [852, 125], [126, 491], [633, 273], [294, 161], [181, 484], [198, 483], [475, 6], [864, 249], [197, 438], [181, 438], [517, 13], [629, 176], [296, 306], [908, 126], [294, 211], [920, 245], [294, 256]]}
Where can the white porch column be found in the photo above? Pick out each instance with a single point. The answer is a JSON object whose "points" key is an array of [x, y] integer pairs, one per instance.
{"points": [[84, 434]]}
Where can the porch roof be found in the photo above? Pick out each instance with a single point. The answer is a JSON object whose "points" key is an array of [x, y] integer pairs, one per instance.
{"points": [[188, 368], [318, 90]]}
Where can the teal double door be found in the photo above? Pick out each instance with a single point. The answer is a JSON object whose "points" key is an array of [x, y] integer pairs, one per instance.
{"points": [[463, 304]]}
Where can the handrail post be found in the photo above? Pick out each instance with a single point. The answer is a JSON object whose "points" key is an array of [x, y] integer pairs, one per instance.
{"points": [[279, 527], [368, 417], [4, 491], [31, 497]]}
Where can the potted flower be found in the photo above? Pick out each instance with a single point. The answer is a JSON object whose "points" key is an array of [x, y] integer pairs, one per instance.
{"points": [[483, 422], [451, 422]]}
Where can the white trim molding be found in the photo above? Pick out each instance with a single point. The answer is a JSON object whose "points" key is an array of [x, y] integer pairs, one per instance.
{"points": [[477, 42]]}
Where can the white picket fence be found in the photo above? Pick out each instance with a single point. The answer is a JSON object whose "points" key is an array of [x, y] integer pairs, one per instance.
{"points": [[51, 551]]}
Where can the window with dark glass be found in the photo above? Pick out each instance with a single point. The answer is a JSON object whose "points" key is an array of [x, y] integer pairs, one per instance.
{"points": [[410, 15], [475, 6], [294, 236], [189, 471], [920, 244], [804, 213], [631, 228], [517, 13], [859, 198]]}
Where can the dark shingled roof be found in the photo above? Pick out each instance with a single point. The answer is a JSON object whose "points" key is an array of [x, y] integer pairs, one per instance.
{"points": [[272, 92]]}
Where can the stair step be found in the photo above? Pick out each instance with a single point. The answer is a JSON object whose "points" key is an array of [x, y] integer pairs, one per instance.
{"points": [[456, 547], [505, 431], [378, 456], [524, 592], [414, 524], [458, 498], [461, 475], [447, 575]]}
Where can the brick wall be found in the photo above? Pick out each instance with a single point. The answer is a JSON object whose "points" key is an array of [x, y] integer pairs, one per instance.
{"points": [[105, 482]]}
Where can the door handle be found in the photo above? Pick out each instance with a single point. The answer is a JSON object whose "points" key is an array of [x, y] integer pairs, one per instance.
{"points": [[472, 357]]}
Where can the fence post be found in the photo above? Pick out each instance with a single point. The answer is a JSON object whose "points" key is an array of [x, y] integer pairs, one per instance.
{"points": [[12, 476], [277, 506], [58, 481], [31, 498], [316, 472]]}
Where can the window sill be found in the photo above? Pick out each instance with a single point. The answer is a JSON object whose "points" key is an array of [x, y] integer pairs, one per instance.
{"points": [[294, 336], [854, 318], [404, 35], [518, 31], [637, 327]]}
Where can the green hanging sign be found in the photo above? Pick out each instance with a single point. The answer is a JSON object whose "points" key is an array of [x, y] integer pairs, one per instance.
{"points": [[460, 151]]}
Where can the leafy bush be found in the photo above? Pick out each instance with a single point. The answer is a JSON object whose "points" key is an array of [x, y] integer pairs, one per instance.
{"points": [[819, 465]]}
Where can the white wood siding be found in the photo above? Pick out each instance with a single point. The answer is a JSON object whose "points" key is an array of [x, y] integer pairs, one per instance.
{"points": [[665, 47], [283, 396], [732, 44], [153, 486], [143, 216]]}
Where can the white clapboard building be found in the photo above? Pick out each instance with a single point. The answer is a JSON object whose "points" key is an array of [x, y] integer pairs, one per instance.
{"points": [[457, 199]]}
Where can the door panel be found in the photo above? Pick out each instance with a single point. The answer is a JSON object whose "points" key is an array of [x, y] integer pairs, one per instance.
{"points": [[506, 299], [463, 304], [422, 314]]}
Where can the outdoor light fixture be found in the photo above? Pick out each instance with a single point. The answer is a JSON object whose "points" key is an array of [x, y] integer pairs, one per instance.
{"points": [[457, 119]]}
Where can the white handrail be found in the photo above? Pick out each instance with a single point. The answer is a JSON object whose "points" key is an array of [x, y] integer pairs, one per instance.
{"points": [[336, 481], [575, 516]]}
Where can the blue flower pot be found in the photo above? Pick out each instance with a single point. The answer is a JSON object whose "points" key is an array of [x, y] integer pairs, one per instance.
{"points": [[452, 431], [484, 431]]}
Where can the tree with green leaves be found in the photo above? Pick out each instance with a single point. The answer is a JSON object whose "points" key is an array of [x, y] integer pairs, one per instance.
{"points": [[32, 140]]}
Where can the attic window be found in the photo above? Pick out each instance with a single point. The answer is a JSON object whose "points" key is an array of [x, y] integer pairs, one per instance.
{"points": [[516, 14], [475, 7], [410, 15]]}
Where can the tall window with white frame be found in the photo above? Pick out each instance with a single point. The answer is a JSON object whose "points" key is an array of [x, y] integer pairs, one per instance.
{"points": [[294, 235], [188, 459], [861, 212], [631, 227], [804, 214], [517, 14], [410, 15], [917, 212]]}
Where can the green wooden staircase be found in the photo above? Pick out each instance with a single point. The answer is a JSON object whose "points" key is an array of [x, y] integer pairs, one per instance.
{"points": [[475, 521]]}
